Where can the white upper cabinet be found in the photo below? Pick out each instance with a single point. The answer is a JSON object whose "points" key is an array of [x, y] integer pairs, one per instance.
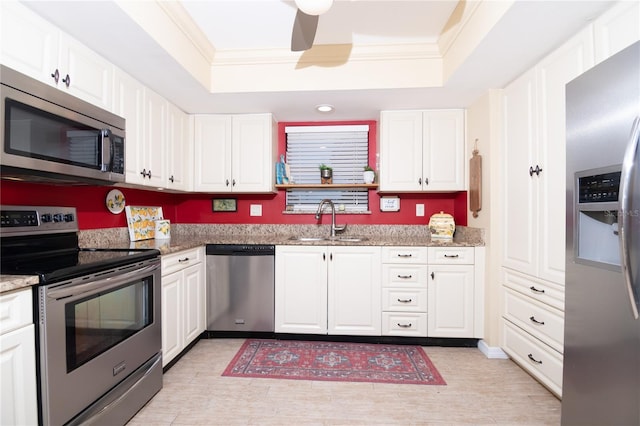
{"points": [[154, 145], [422, 151], [234, 153], [179, 150], [38, 49], [128, 102], [534, 166], [616, 29]]}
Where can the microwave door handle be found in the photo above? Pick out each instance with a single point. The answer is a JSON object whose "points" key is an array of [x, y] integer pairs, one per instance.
{"points": [[626, 215], [107, 154]]}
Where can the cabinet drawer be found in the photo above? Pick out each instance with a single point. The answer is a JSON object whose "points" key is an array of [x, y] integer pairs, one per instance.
{"points": [[542, 291], [404, 324], [451, 255], [542, 321], [534, 356], [404, 275], [15, 310], [404, 299], [404, 255], [178, 261]]}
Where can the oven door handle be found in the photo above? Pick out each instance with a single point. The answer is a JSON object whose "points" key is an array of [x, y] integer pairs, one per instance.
{"points": [[73, 288]]}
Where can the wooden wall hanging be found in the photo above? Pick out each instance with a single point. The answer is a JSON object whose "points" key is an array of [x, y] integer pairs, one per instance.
{"points": [[475, 181]]}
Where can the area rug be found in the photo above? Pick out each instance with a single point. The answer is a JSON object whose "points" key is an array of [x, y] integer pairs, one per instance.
{"points": [[346, 362]]}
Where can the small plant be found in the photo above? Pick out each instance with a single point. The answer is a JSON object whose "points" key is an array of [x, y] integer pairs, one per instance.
{"points": [[325, 167], [368, 169]]}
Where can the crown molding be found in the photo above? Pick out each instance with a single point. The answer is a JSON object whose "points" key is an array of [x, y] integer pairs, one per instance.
{"points": [[328, 54]]}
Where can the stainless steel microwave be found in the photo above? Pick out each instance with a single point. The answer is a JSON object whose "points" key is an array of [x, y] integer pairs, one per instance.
{"points": [[50, 135]]}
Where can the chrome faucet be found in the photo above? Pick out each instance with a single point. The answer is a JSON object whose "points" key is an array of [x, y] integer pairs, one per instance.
{"points": [[334, 228]]}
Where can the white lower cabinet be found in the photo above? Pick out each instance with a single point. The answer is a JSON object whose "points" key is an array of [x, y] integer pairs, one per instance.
{"points": [[18, 398], [328, 290], [404, 291], [183, 301]]}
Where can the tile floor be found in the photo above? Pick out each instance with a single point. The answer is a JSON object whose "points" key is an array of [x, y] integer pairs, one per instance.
{"points": [[479, 391]]}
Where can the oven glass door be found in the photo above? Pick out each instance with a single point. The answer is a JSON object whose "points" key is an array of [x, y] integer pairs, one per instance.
{"points": [[98, 322]]}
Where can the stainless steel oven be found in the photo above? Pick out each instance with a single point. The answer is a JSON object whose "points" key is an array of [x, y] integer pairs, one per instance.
{"points": [[97, 318]]}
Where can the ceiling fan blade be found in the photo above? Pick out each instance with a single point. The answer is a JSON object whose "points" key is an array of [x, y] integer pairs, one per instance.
{"points": [[304, 31]]}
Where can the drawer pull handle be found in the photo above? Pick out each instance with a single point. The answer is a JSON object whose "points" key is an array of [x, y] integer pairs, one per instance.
{"points": [[404, 300], [404, 277], [186, 259], [451, 256], [404, 325], [535, 290], [533, 359], [535, 321], [404, 255]]}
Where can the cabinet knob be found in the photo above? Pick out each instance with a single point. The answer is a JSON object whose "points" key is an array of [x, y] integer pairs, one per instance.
{"points": [[226, 182], [66, 80], [537, 170], [171, 179], [433, 276], [56, 75], [419, 181]]}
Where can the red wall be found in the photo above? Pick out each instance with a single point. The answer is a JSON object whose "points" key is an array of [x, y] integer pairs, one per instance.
{"points": [[197, 208]]}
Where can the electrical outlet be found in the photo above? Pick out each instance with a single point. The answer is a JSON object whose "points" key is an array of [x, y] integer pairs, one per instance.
{"points": [[419, 209], [255, 210]]}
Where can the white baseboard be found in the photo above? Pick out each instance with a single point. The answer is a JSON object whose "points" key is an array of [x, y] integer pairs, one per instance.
{"points": [[491, 352]]}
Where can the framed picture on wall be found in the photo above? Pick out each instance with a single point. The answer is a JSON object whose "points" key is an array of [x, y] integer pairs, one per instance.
{"points": [[225, 205]]}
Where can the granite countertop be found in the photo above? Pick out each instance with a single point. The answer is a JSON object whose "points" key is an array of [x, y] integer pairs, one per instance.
{"points": [[184, 237]]}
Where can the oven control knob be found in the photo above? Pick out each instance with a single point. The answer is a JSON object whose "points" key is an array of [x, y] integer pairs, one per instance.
{"points": [[58, 217], [46, 218], [68, 217]]}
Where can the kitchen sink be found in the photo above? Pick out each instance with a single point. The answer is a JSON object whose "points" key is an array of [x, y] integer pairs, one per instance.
{"points": [[346, 239], [307, 239]]}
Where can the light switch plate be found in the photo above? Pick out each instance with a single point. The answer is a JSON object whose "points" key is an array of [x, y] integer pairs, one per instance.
{"points": [[419, 209], [255, 210]]}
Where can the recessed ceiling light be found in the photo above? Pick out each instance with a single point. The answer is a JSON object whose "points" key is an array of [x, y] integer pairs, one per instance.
{"points": [[324, 108]]}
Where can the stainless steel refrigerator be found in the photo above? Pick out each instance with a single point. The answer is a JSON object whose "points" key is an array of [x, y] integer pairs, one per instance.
{"points": [[601, 377]]}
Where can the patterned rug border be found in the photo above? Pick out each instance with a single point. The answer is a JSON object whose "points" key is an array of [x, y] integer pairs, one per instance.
{"points": [[241, 364]]}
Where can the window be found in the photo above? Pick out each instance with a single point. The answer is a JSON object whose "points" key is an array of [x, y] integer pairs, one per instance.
{"points": [[344, 148]]}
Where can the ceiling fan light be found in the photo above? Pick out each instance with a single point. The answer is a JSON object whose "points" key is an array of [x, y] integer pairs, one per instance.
{"points": [[324, 108], [314, 7]]}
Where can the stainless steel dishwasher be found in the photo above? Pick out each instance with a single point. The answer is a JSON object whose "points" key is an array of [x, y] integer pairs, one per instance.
{"points": [[240, 287]]}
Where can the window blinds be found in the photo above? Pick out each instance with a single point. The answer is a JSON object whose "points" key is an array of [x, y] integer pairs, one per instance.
{"points": [[343, 148]]}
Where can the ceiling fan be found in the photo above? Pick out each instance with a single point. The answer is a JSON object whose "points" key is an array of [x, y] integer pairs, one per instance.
{"points": [[306, 22]]}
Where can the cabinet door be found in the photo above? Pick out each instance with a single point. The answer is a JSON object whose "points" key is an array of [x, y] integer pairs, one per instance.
{"points": [[301, 290], [450, 301], [194, 299], [29, 43], [354, 292], [155, 139], [518, 187], [212, 137], [443, 150], [179, 149], [172, 335], [401, 151], [89, 74], [616, 29], [554, 72], [18, 402], [128, 102], [252, 154]]}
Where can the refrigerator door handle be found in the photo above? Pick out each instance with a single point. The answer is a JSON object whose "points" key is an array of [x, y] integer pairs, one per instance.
{"points": [[625, 214]]}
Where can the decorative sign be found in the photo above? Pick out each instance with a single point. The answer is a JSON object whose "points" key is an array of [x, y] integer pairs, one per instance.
{"points": [[389, 204], [225, 205]]}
